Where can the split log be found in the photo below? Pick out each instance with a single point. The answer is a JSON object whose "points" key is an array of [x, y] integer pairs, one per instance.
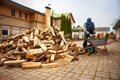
{"points": [[52, 31], [25, 50], [31, 35], [2, 61], [26, 39], [52, 58], [11, 42], [62, 35], [61, 51], [19, 53], [69, 58], [30, 56], [36, 31], [42, 46], [50, 65], [31, 65], [66, 47], [52, 51], [64, 53], [14, 62], [36, 41], [62, 43], [48, 42], [57, 28], [36, 51], [47, 45]]}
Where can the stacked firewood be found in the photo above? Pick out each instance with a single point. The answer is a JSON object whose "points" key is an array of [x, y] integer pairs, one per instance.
{"points": [[37, 47]]}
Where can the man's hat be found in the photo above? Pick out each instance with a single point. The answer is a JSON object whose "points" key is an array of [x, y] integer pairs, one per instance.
{"points": [[88, 20]]}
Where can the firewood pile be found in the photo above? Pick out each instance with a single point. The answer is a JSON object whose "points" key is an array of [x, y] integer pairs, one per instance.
{"points": [[38, 48]]}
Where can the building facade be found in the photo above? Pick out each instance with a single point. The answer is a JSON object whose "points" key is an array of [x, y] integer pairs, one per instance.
{"points": [[57, 18], [16, 18], [117, 29]]}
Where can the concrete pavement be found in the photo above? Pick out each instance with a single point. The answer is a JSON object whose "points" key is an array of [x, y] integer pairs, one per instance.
{"points": [[92, 67]]}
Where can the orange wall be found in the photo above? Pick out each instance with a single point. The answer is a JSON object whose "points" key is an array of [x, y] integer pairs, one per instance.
{"points": [[41, 18], [4, 10], [7, 11]]}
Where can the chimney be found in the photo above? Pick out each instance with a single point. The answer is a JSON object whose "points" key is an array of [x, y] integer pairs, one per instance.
{"points": [[47, 16]]}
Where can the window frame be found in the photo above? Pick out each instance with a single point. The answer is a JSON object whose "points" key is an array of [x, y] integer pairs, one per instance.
{"points": [[12, 12], [20, 14]]}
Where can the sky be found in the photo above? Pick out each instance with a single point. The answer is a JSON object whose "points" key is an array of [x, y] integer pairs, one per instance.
{"points": [[102, 12]]}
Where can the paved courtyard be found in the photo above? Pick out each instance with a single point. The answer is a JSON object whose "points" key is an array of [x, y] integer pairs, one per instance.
{"points": [[94, 67]]}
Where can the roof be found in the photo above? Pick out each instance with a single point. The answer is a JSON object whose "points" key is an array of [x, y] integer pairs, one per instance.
{"points": [[102, 29], [19, 5], [57, 16], [78, 28], [117, 24]]}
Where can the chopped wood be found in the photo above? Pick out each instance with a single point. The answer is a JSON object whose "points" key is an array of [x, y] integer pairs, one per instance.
{"points": [[69, 58], [57, 28], [49, 44], [30, 56], [49, 65], [26, 39], [52, 51], [31, 65], [52, 58], [31, 35], [36, 41], [62, 43], [62, 33], [42, 46], [35, 51], [14, 62], [25, 50], [52, 31]]}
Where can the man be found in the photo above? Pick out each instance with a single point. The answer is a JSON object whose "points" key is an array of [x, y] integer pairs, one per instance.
{"points": [[89, 28]]}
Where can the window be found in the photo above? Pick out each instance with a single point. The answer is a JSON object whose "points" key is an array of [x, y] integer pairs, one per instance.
{"points": [[25, 15], [12, 12], [20, 14], [4, 32]]}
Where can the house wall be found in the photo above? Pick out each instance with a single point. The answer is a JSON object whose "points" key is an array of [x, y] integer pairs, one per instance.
{"points": [[6, 10], [16, 24], [57, 22], [69, 16], [77, 34], [5, 20], [118, 33]]}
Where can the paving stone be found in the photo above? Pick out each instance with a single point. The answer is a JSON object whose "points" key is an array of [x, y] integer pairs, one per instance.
{"points": [[86, 72], [114, 76], [87, 76], [98, 78], [58, 78], [92, 73], [102, 74], [69, 75], [106, 79], [51, 77], [87, 68], [66, 78], [75, 76], [106, 70], [82, 78]]}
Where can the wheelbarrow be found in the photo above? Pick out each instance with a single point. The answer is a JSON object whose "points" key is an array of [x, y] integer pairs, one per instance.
{"points": [[95, 42]]}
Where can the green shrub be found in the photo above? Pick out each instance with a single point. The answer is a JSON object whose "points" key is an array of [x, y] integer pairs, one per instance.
{"points": [[112, 36]]}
